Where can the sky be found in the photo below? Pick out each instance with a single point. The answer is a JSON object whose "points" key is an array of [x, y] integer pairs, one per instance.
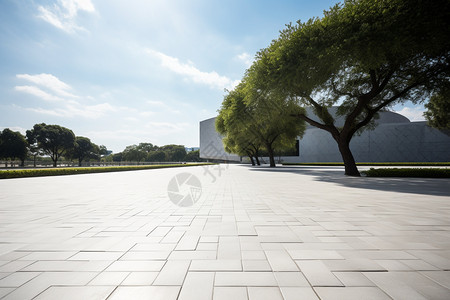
{"points": [[126, 72]]}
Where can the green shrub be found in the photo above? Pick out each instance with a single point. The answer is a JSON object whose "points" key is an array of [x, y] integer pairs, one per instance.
{"points": [[72, 171], [408, 172], [372, 164]]}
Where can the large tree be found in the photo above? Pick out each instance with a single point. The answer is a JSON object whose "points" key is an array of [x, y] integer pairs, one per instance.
{"points": [[83, 149], [251, 118], [54, 140], [13, 145], [363, 56]]}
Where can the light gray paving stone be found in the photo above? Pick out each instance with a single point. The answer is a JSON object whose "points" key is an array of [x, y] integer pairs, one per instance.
{"points": [[291, 279], [331, 222], [441, 277], [351, 293], [245, 279], [145, 255], [75, 293], [173, 273], [135, 265], [17, 279], [216, 265], [186, 255], [408, 285], [94, 255], [256, 265], [140, 278], [197, 286], [227, 293], [145, 292], [280, 260], [109, 278], [314, 254], [317, 273], [295, 293], [5, 291], [353, 279], [264, 293]]}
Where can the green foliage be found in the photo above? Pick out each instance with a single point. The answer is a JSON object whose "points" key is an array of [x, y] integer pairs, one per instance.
{"points": [[53, 140], [363, 56], [83, 149], [409, 172], [438, 109], [73, 171], [252, 119], [12, 145]]}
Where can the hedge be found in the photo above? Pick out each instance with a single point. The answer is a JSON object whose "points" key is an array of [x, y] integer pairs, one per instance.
{"points": [[72, 171], [372, 164], [408, 172]]}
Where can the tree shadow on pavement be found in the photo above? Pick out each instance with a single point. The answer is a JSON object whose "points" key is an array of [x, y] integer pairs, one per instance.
{"points": [[424, 186]]}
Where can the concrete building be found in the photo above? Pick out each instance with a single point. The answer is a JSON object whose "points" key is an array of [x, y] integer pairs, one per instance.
{"points": [[394, 139]]}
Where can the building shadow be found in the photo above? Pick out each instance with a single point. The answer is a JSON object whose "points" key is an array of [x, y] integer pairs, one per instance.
{"points": [[424, 186]]}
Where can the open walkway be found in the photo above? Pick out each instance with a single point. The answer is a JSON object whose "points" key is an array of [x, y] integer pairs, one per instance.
{"points": [[229, 232]]}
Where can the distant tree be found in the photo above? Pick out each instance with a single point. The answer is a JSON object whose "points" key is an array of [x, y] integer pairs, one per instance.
{"points": [[53, 140], [156, 156], [362, 56], [133, 153], [117, 157], [174, 152], [193, 156], [13, 145], [83, 149], [103, 150], [438, 109]]}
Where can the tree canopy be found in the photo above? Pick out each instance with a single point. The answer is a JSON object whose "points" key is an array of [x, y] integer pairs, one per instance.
{"points": [[13, 145], [83, 149], [251, 119], [54, 140], [362, 56], [438, 109]]}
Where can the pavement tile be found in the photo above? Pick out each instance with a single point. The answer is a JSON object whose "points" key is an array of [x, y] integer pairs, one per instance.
{"points": [[296, 293], [243, 238], [351, 293], [145, 293], [173, 273], [227, 293], [75, 293], [197, 286], [264, 293], [245, 279]]}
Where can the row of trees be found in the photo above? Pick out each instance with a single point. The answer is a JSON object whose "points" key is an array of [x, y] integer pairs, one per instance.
{"points": [[55, 141], [147, 152], [49, 140], [362, 56]]}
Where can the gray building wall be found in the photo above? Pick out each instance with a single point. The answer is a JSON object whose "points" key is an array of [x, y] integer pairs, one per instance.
{"points": [[394, 139], [211, 146]]}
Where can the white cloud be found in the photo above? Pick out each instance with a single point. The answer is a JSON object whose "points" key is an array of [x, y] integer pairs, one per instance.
{"points": [[50, 82], [414, 114], [35, 91], [63, 13], [57, 92], [212, 79], [71, 111], [246, 58]]}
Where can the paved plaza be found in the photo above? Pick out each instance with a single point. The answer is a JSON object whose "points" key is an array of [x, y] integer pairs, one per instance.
{"points": [[243, 233]]}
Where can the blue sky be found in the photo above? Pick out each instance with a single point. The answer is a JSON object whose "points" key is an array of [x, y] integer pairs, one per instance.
{"points": [[125, 72]]}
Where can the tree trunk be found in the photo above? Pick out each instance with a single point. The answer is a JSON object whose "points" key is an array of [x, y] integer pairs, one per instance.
{"points": [[257, 160], [79, 162], [251, 159], [349, 162], [271, 156], [54, 162]]}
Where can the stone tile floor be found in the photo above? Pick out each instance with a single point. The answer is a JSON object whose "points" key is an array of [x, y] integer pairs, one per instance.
{"points": [[254, 233]]}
